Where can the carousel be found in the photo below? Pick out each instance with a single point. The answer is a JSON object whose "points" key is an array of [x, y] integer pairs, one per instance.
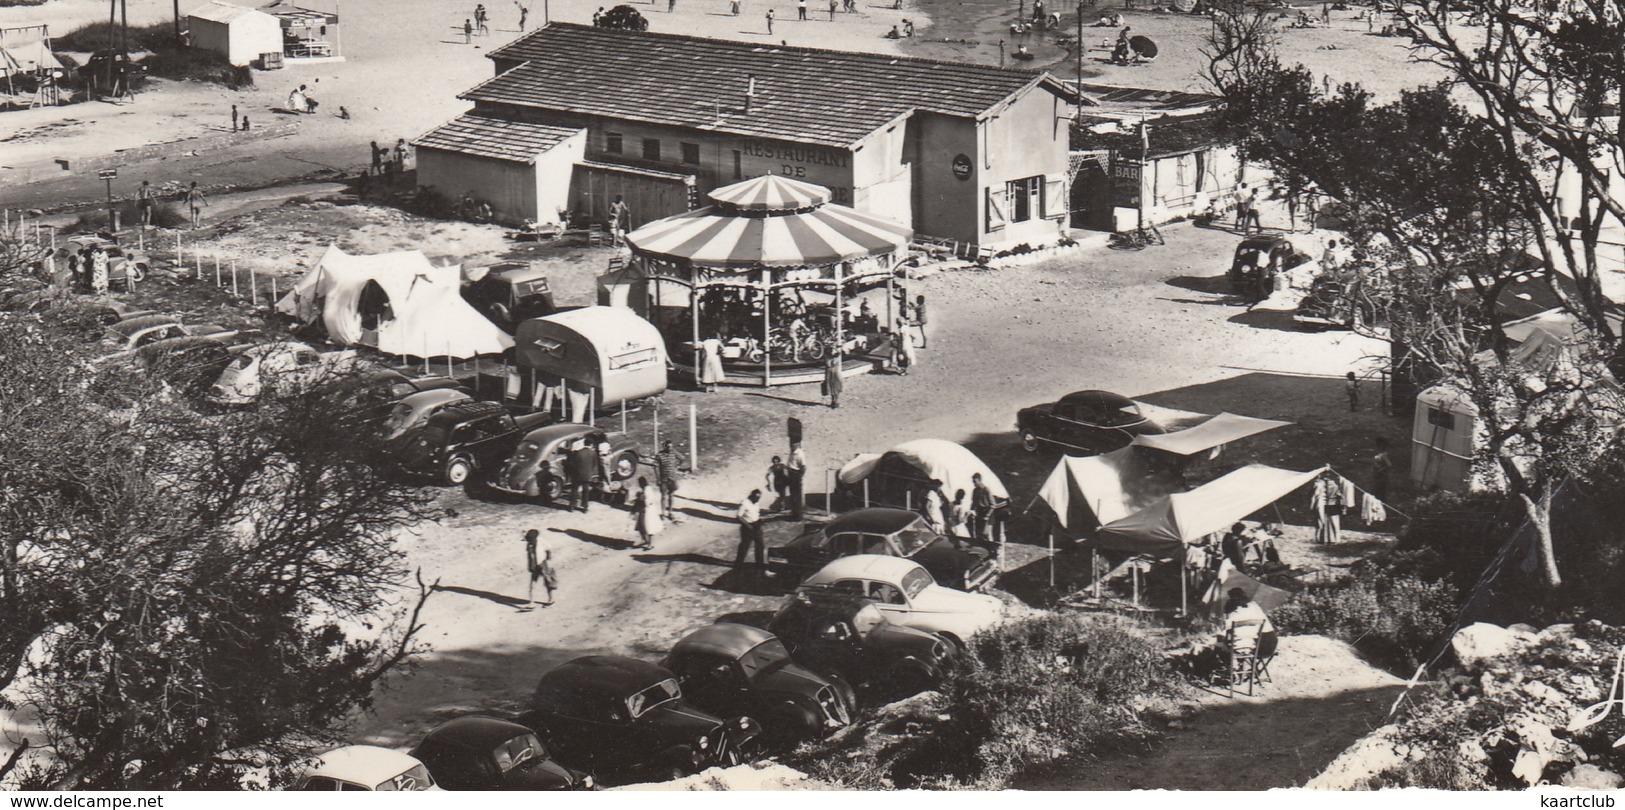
{"points": [[772, 280]]}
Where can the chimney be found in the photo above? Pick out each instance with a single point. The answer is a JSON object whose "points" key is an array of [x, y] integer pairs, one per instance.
{"points": [[750, 91]]}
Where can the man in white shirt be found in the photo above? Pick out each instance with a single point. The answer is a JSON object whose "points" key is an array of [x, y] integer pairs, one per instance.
{"points": [[750, 530], [797, 466]]}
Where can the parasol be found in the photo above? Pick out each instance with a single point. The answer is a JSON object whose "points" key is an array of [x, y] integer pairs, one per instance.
{"points": [[1144, 47]]}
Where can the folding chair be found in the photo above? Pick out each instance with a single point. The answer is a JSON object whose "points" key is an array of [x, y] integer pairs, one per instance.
{"points": [[596, 235], [1242, 639]]}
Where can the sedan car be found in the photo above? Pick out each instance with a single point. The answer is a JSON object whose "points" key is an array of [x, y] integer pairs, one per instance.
{"points": [[414, 411], [464, 438], [538, 467], [728, 667], [124, 265], [1259, 258], [278, 369], [906, 594], [883, 530], [484, 753], [1330, 303], [1086, 422], [133, 333], [625, 719], [847, 635], [391, 385], [367, 767]]}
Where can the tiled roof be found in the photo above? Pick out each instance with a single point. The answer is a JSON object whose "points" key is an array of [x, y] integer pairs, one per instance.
{"points": [[807, 95], [487, 137]]}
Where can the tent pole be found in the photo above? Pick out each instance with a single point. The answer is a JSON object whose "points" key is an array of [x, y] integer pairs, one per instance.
{"points": [[1052, 559], [767, 328], [866, 493], [1184, 608], [623, 417], [693, 439], [694, 306], [1094, 574], [840, 311]]}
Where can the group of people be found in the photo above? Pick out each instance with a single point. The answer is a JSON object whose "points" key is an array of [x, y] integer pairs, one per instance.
{"points": [[385, 160], [146, 200], [299, 100], [979, 516], [786, 479]]}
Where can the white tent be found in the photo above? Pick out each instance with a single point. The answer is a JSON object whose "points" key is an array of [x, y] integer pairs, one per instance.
{"points": [[1164, 528], [922, 460], [1085, 492], [418, 307]]}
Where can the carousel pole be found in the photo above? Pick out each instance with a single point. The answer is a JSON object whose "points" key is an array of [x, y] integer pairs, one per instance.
{"points": [[694, 307], [767, 327], [840, 311]]}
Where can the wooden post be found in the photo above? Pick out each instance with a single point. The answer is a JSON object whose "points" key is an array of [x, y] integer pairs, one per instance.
{"points": [[865, 493], [254, 285], [273, 303], [1184, 610], [767, 328], [694, 306], [197, 255], [623, 417], [840, 313], [234, 292], [657, 424], [449, 371], [693, 439], [217, 270], [1051, 560]]}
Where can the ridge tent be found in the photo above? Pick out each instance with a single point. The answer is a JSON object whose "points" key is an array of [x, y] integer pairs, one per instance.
{"points": [[398, 303], [608, 353], [1164, 528], [899, 476], [1084, 492]]}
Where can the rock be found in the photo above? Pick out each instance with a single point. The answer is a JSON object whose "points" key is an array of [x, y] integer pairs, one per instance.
{"points": [[1528, 767], [1591, 777], [1540, 691], [1520, 627], [1556, 632], [1481, 641]]}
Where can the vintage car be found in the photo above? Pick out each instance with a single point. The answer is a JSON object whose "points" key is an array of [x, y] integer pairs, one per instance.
{"points": [[414, 410], [465, 438], [133, 333], [884, 530], [124, 264], [727, 668], [367, 767], [484, 753], [1331, 303], [538, 467], [1262, 256], [391, 385], [510, 294], [845, 634], [1088, 422], [905, 592], [624, 719], [279, 369]]}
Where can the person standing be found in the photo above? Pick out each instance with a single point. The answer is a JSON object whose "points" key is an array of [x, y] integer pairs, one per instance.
{"points": [[959, 519], [671, 6], [1247, 210], [1381, 466], [833, 381], [479, 19], [733, 6], [801, 9], [711, 374], [523, 14], [583, 473], [598, 17], [144, 197], [233, 118], [1351, 385], [778, 483], [905, 348], [400, 155], [919, 317], [1328, 502], [539, 565], [792, 430], [1234, 546], [666, 472], [620, 214], [770, 21], [195, 202], [468, 32], [981, 508], [646, 514], [750, 530], [936, 508], [796, 466], [833, 5], [98, 270]]}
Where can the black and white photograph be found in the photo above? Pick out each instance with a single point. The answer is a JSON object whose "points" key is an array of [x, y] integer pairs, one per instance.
{"points": [[917, 396]]}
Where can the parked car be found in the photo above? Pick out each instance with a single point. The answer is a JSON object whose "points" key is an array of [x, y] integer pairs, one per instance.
{"points": [[189, 364], [413, 411], [484, 753], [625, 719], [511, 293], [845, 634], [884, 530], [133, 333], [279, 369], [465, 438], [1087, 422], [124, 264], [905, 592], [367, 767], [726, 668], [1331, 303], [1257, 254], [392, 385], [538, 467]]}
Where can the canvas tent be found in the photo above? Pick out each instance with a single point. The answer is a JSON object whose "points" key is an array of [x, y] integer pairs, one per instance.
{"points": [[398, 303], [898, 476], [1164, 528], [608, 352]]}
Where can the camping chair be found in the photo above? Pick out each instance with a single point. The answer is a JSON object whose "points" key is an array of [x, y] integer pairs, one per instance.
{"points": [[596, 235], [1242, 643]]}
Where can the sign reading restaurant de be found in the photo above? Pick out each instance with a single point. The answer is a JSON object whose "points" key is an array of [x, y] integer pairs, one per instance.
{"points": [[797, 153]]}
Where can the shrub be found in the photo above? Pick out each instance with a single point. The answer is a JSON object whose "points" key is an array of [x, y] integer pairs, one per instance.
{"points": [[95, 36], [164, 215], [1039, 689], [1394, 619], [170, 59]]}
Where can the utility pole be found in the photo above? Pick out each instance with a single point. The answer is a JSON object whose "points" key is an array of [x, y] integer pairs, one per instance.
{"points": [[177, 22], [1080, 53], [112, 213]]}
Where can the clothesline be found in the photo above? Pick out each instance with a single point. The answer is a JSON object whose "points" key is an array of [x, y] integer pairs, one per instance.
{"points": [[1367, 492]]}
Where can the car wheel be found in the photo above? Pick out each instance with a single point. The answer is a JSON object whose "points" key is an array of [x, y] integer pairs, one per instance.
{"points": [[458, 471], [844, 691], [626, 466], [135, 273], [550, 487], [1029, 441]]}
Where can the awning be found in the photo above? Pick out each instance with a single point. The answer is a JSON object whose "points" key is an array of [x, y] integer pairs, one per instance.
{"points": [[1164, 528], [1221, 429]]}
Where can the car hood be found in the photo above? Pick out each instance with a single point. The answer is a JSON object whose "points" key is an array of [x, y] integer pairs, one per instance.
{"points": [[946, 563], [903, 640], [678, 719], [791, 678], [803, 543], [980, 609], [543, 775]]}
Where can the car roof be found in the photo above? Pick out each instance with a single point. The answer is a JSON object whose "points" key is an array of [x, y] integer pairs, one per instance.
{"points": [[129, 326], [1105, 399], [364, 764], [872, 520], [519, 272], [551, 433], [264, 349], [604, 675], [475, 731], [872, 566], [1262, 241], [433, 397], [465, 412], [724, 639]]}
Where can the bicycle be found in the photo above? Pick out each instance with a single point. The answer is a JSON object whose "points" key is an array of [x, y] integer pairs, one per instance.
{"points": [[1137, 239]]}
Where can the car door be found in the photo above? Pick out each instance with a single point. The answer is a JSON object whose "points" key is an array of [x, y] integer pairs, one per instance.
{"points": [[888, 599], [1064, 429], [713, 683], [493, 444]]}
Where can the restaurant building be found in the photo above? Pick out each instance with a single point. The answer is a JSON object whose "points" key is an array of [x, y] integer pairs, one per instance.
{"points": [[967, 153]]}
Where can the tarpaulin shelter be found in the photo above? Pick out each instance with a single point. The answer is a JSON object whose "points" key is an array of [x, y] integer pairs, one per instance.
{"points": [[398, 303], [608, 353], [1164, 528], [899, 476], [1219, 430]]}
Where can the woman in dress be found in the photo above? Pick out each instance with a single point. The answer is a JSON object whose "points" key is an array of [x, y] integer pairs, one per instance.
{"points": [[711, 363], [646, 514]]}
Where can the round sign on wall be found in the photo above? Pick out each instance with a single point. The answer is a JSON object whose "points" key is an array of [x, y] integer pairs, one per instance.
{"points": [[962, 166]]}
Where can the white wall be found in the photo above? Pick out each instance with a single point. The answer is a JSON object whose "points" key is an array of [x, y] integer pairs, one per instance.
{"points": [[242, 40]]}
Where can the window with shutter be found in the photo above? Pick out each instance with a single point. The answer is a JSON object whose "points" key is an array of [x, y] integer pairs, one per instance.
{"points": [[995, 209], [1055, 200]]}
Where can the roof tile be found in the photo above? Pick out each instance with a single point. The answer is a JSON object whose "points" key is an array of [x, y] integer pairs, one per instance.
{"points": [[496, 138]]}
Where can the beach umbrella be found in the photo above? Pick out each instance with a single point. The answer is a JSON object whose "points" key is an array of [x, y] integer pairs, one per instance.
{"points": [[769, 222], [1144, 46]]}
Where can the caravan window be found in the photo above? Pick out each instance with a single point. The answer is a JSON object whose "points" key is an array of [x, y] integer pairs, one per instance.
{"points": [[1442, 419], [632, 359]]}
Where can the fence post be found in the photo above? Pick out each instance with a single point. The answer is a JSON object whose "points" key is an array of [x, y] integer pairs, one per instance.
{"points": [[234, 291], [254, 285], [693, 438], [217, 270], [197, 256], [623, 416]]}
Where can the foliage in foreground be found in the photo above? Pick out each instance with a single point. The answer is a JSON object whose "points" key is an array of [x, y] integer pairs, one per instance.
{"points": [[1041, 688], [1395, 620]]}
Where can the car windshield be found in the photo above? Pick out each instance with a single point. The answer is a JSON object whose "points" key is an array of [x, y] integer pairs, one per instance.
{"points": [[663, 692], [415, 778], [914, 538], [915, 581], [1118, 417], [399, 417], [518, 751], [764, 658], [527, 452]]}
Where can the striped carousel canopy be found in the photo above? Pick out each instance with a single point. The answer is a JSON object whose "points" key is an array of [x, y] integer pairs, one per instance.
{"points": [[722, 237], [770, 193]]}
